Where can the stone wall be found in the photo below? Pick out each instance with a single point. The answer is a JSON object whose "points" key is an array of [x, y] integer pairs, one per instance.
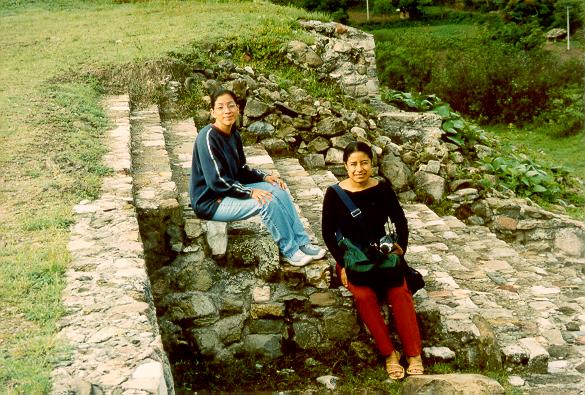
{"points": [[110, 327]]}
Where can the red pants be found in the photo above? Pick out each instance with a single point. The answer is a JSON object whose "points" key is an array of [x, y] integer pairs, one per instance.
{"points": [[402, 305]]}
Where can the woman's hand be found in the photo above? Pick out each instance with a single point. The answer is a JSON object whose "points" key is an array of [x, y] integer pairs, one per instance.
{"points": [[397, 249], [274, 180], [344, 278], [261, 196]]}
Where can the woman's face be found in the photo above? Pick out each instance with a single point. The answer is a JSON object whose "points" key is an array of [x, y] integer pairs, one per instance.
{"points": [[359, 167], [225, 111]]}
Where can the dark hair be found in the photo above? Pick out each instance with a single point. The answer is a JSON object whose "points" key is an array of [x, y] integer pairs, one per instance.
{"points": [[220, 92], [357, 146]]}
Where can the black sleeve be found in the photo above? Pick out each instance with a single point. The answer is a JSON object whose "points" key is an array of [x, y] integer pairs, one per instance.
{"points": [[330, 222]]}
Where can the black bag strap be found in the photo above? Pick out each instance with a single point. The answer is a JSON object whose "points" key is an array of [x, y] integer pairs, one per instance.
{"points": [[355, 212]]}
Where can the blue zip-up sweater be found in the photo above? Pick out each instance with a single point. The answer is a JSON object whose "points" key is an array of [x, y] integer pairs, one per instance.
{"points": [[219, 169]]}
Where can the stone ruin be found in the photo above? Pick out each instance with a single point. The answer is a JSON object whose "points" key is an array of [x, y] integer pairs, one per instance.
{"points": [[504, 289]]}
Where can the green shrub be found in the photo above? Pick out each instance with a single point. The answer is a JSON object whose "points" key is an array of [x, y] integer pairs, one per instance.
{"points": [[523, 36], [565, 115], [525, 177], [480, 76], [404, 60]]}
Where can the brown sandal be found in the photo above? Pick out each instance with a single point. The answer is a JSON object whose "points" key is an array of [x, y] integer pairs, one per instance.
{"points": [[393, 368], [415, 366]]}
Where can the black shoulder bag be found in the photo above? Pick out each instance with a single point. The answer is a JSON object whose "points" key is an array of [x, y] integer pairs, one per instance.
{"points": [[366, 264]]}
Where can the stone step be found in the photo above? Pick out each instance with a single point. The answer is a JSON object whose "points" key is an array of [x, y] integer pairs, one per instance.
{"points": [[473, 278], [155, 192], [479, 293], [109, 326]]}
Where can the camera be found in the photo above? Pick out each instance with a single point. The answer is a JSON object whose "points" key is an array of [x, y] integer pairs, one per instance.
{"points": [[386, 244]]}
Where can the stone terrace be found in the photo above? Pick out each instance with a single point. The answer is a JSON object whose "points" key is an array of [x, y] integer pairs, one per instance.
{"points": [[488, 303]]}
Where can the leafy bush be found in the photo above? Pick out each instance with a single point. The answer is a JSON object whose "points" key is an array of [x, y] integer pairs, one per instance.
{"points": [[409, 101], [488, 80], [405, 61], [383, 7], [525, 177], [576, 14], [523, 36], [565, 115]]}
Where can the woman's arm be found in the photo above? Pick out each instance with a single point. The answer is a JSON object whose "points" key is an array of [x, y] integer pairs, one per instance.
{"points": [[246, 174], [213, 162], [329, 224]]}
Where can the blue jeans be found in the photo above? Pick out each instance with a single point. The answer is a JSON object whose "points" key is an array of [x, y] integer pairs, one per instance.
{"points": [[278, 215]]}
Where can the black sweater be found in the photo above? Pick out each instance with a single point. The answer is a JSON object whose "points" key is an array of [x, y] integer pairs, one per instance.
{"points": [[219, 169], [377, 204]]}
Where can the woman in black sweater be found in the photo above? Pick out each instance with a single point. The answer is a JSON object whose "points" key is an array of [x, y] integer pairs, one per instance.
{"points": [[377, 202], [222, 187]]}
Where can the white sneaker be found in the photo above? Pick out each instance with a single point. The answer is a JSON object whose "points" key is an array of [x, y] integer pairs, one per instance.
{"points": [[313, 251], [299, 258]]}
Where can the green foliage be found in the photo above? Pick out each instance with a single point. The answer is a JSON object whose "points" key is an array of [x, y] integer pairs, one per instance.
{"points": [[525, 177], [488, 80], [521, 11], [382, 7], [409, 101], [523, 36], [413, 7], [457, 130], [79, 122], [404, 67], [565, 114], [576, 14]]}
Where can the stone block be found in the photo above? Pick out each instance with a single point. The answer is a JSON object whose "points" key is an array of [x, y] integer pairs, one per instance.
{"points": [[267, 345], [453, 384], [266, 310]]}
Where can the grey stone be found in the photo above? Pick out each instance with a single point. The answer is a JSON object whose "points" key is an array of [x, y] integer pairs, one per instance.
{"points": [[329, 127], [264, 326], [307, 335], [193, 305], [261, 130], [396, 171], [439, 353], [255, 108], [431, 184], [334, 156], [342, 141], [330, 382], [318, 144], [267, 345], [314, 161], [216, 234], [275, 146], [452, 384]]}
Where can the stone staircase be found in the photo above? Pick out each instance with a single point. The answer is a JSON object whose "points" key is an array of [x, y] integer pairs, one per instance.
{"points": [[487, 304], [485, 299]]}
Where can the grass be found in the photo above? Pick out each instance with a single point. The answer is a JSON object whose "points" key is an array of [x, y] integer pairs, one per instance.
{"points": [[565, 151], [51, 137]]}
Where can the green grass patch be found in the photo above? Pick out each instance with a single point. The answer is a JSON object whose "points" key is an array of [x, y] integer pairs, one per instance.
{"points": [[565, 151]]}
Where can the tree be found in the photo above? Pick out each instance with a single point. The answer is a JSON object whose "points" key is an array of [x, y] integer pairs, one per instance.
{"points": [[412, 7]]}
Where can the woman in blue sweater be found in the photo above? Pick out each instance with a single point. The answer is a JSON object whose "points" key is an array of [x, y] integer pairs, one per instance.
{"points": [[223, 188]]}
